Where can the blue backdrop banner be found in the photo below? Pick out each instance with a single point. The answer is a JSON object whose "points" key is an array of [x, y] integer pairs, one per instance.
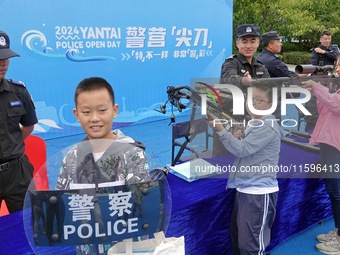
{"points": [[140, 47]]}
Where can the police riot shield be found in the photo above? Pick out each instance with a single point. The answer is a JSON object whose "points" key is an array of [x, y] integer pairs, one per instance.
{"points": [[98, 192]]}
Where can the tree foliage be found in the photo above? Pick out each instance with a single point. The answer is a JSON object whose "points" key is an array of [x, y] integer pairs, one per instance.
{"points": [[293, 19]]}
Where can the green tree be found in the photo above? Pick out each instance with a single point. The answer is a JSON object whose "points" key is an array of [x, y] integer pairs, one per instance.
{"points": [[301, 20]]}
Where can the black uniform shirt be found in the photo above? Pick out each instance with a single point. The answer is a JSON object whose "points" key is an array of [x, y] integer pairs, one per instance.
{"points": [[16, 107], [317, 59], [234, 68], [274, 64]]}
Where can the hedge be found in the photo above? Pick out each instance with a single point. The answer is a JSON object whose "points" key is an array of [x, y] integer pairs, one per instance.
{"points": [[296, 57]]}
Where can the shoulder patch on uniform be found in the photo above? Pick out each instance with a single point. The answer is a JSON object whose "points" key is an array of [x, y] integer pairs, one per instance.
{"points": [[19, 83]]}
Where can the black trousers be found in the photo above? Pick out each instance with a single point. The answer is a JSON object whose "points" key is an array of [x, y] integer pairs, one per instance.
{"points": [[14, 183]]}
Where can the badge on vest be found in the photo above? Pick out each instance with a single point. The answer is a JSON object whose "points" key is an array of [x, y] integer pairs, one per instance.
{"points": [[15, 103]]}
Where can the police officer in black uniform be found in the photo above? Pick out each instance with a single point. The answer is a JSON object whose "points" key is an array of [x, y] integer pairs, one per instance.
{"points": [[242, 68], [272, 45], [17, 119], [326, 53]]}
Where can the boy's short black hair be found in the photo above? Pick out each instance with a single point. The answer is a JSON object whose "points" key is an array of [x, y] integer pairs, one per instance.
{"points": [[93, 83], [266, 87]]}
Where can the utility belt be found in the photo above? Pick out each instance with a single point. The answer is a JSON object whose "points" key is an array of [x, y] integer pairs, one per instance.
{"points": [[5, 166]]}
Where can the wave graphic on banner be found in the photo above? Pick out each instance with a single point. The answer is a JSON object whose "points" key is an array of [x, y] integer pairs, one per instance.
{"points": [[71, 55], [35, 41]]}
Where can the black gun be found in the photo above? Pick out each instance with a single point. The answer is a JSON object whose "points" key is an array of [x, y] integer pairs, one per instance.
{"points": [[330, 81], [323, 74], [313, 70]]}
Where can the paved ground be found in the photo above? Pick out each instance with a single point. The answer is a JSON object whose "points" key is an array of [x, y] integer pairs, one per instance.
{"points": [[291, 67]]}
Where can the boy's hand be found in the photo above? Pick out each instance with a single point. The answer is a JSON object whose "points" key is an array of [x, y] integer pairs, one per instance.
{"points": [[220, 124], [237, 133], [214, 122]]}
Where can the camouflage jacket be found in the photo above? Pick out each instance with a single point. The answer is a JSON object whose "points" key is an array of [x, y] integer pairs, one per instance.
{"points": [[124, 160]]}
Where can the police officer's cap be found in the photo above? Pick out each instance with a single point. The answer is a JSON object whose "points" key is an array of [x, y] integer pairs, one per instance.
{"points": [[269, 36], [248, 29], [5, 51]]}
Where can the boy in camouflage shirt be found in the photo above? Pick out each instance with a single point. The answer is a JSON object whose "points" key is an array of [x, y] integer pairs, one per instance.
{"points": [[104, 157]]}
